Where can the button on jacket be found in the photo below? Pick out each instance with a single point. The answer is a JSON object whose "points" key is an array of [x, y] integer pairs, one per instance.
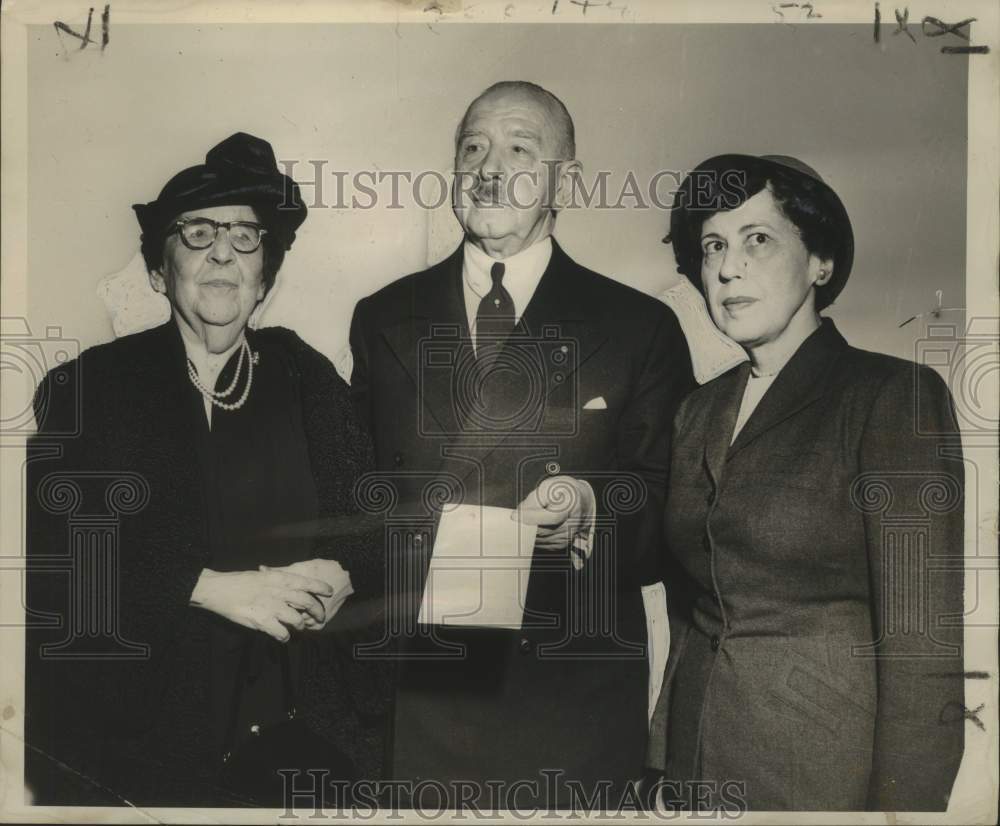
{"points": [[819, 660]]}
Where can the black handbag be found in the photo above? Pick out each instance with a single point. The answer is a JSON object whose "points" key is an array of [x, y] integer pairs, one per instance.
{"points": [[275, 761]]}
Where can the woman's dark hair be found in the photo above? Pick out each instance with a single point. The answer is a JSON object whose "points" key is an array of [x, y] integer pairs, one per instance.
{"points": [[272, 244], [727, 182]]}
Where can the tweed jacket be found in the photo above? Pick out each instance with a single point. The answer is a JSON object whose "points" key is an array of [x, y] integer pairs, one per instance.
{"points": [[817, 660]]}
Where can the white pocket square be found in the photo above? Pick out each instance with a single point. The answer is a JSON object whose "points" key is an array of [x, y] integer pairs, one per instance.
{"points": [[596, 404]]}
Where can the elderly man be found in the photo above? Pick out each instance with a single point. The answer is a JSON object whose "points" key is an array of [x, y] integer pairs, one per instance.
{"points": [[509, 375]]}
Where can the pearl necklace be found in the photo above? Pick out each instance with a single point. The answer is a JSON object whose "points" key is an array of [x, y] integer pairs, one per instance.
{"points": [[215, 396]]}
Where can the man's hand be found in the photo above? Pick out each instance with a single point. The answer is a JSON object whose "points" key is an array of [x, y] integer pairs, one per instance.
{"points": [[268, 601], [333, 574], [563, 508]]}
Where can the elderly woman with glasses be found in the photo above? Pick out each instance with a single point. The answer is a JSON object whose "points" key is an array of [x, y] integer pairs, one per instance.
{"points": [[815, 508], [245, 448]]}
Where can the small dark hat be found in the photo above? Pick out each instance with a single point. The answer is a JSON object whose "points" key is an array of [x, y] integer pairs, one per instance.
{"points": [[722, 178], [240, 170]]}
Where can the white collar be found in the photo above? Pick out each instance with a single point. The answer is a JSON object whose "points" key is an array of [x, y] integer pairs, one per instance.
{"points": [[522, 272], [208, 365]]}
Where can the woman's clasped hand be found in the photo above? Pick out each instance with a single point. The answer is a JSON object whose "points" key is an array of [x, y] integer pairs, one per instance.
{"points": [[303, 596]]}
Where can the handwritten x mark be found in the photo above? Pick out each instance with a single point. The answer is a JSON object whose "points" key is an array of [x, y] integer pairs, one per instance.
{"points": [[85, 37], [902, 26]]}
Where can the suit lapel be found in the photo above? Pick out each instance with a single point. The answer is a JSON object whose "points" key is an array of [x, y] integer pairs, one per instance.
{"points": [[722, 415], [558, 309], [561, 308], [801, 382], [430, 341]]}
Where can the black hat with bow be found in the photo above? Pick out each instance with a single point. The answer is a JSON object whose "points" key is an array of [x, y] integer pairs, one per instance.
{"points": [[240, 170]]}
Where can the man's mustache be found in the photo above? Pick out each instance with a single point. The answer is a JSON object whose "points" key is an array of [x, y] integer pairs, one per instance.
{"points": [[490, 193], [502, 194], [500, 191]]}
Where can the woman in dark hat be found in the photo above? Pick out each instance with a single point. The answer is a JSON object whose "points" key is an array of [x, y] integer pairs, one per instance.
{"points": [[815, 509], [245, 448]]}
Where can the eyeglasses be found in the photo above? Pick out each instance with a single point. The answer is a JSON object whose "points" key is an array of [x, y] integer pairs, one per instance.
{"points": [[201, 233]]}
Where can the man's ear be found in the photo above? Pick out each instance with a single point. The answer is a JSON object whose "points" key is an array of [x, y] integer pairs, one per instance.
{"points": [[567, 174], [157, 281]]}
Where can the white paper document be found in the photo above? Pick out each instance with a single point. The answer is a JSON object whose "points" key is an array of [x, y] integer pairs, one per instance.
{"points": [[479, 568]]}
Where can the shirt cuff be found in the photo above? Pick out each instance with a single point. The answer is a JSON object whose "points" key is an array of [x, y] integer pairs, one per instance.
{"points": [[583, 541]]}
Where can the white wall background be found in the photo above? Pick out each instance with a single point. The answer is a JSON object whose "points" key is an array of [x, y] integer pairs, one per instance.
{"points": [[885, 125]]}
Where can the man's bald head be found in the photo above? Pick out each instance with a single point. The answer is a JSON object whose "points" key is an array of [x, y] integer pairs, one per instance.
{"points": [[556, 111]]}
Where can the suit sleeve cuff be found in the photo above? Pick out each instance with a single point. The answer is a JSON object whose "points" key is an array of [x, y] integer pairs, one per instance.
{"points": [[583, 541]]}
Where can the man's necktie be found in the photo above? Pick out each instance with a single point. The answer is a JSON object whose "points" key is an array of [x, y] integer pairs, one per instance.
{"points": [[495, 318]]}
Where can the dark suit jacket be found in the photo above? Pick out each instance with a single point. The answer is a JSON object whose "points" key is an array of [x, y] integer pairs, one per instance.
{"points": [[116, 455], [819, 662], [568, 692]]}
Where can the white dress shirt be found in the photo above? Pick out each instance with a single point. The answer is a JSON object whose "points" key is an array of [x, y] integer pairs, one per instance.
{"points": [[522, 272]]}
